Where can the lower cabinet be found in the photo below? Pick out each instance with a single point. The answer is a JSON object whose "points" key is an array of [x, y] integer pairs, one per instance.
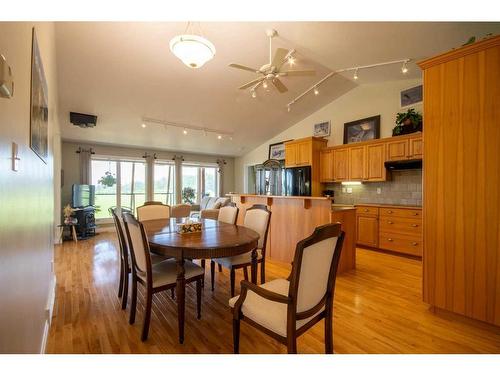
{"points": [[390, 228]]}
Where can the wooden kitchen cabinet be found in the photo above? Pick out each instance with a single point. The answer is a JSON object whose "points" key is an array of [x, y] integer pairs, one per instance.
{"points": [[367, 226], [357, 163], [341, 164], [404, 149], [326, 166], [416, 148], [375, 159]]}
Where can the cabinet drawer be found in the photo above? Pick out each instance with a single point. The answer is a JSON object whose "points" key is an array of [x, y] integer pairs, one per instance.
{"points": [[402, 225], [401, 212], [367, 210], [401, 243]]}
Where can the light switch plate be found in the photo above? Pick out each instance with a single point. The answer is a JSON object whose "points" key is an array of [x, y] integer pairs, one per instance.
{"points": [[15, 158], [349, 190], [379, 190]]}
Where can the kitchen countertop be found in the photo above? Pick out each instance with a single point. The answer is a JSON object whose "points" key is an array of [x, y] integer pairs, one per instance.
{"points": [[388, 206], [278, 196], [342, 207]]}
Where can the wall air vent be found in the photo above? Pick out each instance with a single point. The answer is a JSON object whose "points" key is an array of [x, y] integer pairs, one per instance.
{"points": [[82, 120]]}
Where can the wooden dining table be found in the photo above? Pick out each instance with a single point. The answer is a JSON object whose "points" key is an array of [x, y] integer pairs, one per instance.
{"points": [[216, 240]]}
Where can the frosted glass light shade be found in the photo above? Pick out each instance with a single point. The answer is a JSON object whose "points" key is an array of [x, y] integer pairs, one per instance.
{"points": [[192, 50]]}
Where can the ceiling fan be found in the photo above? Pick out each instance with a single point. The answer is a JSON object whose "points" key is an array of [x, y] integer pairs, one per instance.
{"points": [[272, 71]]}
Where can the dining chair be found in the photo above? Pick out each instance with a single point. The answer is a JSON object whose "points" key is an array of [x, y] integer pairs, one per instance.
{"points": [[154, 277], [125, 262], [180, 210], [258, 218], [285, 309], [228, 214], [153, 211]]}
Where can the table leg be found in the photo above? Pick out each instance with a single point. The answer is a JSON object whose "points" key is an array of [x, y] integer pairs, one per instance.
{"points": [[73, 231], [253, 269], [180, 289]]}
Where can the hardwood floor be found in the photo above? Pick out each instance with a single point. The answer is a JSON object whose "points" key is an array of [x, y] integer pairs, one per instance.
{"points": [[378, 309]]}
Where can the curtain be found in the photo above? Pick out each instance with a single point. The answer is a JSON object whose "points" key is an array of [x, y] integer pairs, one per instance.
{"points": [[221, 163], [85, 166]]}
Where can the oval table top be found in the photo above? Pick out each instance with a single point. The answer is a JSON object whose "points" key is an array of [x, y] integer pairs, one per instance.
{"points": [[216, 240]]}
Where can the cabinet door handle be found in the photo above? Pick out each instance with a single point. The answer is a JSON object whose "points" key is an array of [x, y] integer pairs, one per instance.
{"points": [[389, 212], [390, 239], [415, 214], [390, 222], [414, 225], [414, 243], [366, 210]]}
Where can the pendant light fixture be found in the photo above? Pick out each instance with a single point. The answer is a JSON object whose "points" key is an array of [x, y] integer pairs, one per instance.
{"points": [[192, 49]]}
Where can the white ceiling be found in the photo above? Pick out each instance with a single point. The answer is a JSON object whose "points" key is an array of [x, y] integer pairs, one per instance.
{"points": [[123, 72]]}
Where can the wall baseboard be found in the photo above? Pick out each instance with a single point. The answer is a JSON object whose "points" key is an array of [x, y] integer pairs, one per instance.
{"points": [[49, 310]]}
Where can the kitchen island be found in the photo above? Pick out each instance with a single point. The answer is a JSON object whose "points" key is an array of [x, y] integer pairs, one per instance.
{"points": [[294, 218]]}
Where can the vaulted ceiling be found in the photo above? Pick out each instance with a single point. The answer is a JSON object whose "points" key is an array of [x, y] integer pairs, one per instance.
{"points": [[123, 72]]}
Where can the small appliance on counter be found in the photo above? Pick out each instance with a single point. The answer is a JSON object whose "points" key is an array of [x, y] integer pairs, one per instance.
{"points": [[328, 193]]}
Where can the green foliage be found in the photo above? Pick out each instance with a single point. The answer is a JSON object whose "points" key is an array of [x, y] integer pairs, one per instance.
{"points": [[188, 194], [108, 179], [410, 117]]}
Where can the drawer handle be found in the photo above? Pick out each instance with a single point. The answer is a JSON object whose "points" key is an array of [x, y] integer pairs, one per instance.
{"points": [[415, 214], [390, 222], [414, 243], [389, 212], [366, 210], [390, 239], [414, 225]]}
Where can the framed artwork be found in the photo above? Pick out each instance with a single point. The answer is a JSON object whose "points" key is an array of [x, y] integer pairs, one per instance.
{"points": [[411, 96], [362, 130], [277, 151], [39, 108], [322, 129]]}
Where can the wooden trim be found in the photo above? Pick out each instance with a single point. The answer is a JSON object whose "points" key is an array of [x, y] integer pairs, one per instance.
{"points": [[460, 52]]}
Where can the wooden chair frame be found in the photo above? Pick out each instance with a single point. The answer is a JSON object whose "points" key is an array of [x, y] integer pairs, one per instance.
{"points": [[148, 284], [124, 257], [321, 233], [245, 266]]}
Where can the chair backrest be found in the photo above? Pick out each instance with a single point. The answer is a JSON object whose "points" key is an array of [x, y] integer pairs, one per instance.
{"points": [[153, 211], [312, 281], [116, 213], [180, 210], [228, 214], [258, 218], [138, 245]]}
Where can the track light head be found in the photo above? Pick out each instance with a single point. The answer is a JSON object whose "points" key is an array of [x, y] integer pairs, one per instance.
{"points": [[185, 131], [404, 68], [356, 74], [254, 94], [316, 91]]}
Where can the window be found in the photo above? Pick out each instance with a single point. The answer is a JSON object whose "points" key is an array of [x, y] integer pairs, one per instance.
{"points": [[104, 174], [164, 182], [199, 181], [119, 183], [133, 184]]}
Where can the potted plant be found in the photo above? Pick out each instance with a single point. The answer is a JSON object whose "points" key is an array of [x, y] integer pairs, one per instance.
{"points": [[107, 180], [407, 122], [188, 195]]}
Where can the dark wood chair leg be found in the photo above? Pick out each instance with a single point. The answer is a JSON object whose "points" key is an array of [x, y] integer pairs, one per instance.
{"points": [[147, 315], [198, 297], [236, 336], [212, 274], [122, 276], [245, 273], [172, 293], [134, 301], [125, 290], [233, 281], [203, 263], [220, 268], [292, 345], [328, 332], [263, 272]]}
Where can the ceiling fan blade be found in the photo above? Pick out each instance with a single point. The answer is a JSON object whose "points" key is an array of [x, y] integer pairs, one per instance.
{"points": [[279, 85], [251, 83], [279, 57], [243, 67], [298, 73]]}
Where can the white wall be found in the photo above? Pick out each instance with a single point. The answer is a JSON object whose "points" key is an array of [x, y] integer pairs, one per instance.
{"points": [[363, 101], [27, 197]]}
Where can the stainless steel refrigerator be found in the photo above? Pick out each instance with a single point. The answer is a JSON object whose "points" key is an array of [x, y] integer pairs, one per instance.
{"points": [[298, 181]]}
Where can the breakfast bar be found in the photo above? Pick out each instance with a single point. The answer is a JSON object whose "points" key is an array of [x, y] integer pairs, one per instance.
{"points": [[295, 218]]}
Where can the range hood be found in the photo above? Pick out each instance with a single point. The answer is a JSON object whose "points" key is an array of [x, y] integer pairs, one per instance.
{"points": [[403, 164]]}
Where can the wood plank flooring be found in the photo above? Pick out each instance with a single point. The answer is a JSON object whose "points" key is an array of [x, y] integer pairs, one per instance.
{"points": [[378, 309]]}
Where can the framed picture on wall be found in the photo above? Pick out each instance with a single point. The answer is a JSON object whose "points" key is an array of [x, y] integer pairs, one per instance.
{"points": [[362, 130], [39, 108], [277, 151], [411, 96], [322, 129]]}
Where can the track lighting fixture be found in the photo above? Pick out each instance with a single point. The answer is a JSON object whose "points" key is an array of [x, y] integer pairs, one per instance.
{"points": [[185, 131], [291, 60], [288, 107], [254, 94], [404, 68], [356, 74], [143, 125], [264, 84], [316, 91], [192, 129], [219, 136]]}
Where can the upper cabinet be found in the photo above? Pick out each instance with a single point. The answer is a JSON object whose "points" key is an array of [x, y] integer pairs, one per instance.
{"points": [[365, 161]]}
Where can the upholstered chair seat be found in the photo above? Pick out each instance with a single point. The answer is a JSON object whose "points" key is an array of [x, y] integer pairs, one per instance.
{"points": [[269, 314], [165, 273], [238, 259]]}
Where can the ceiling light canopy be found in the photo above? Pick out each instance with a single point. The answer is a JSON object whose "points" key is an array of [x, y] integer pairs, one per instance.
{"points": [[192, 50]]}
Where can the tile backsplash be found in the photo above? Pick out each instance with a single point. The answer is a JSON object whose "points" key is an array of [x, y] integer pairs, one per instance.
{"points": [[405, 188]]}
